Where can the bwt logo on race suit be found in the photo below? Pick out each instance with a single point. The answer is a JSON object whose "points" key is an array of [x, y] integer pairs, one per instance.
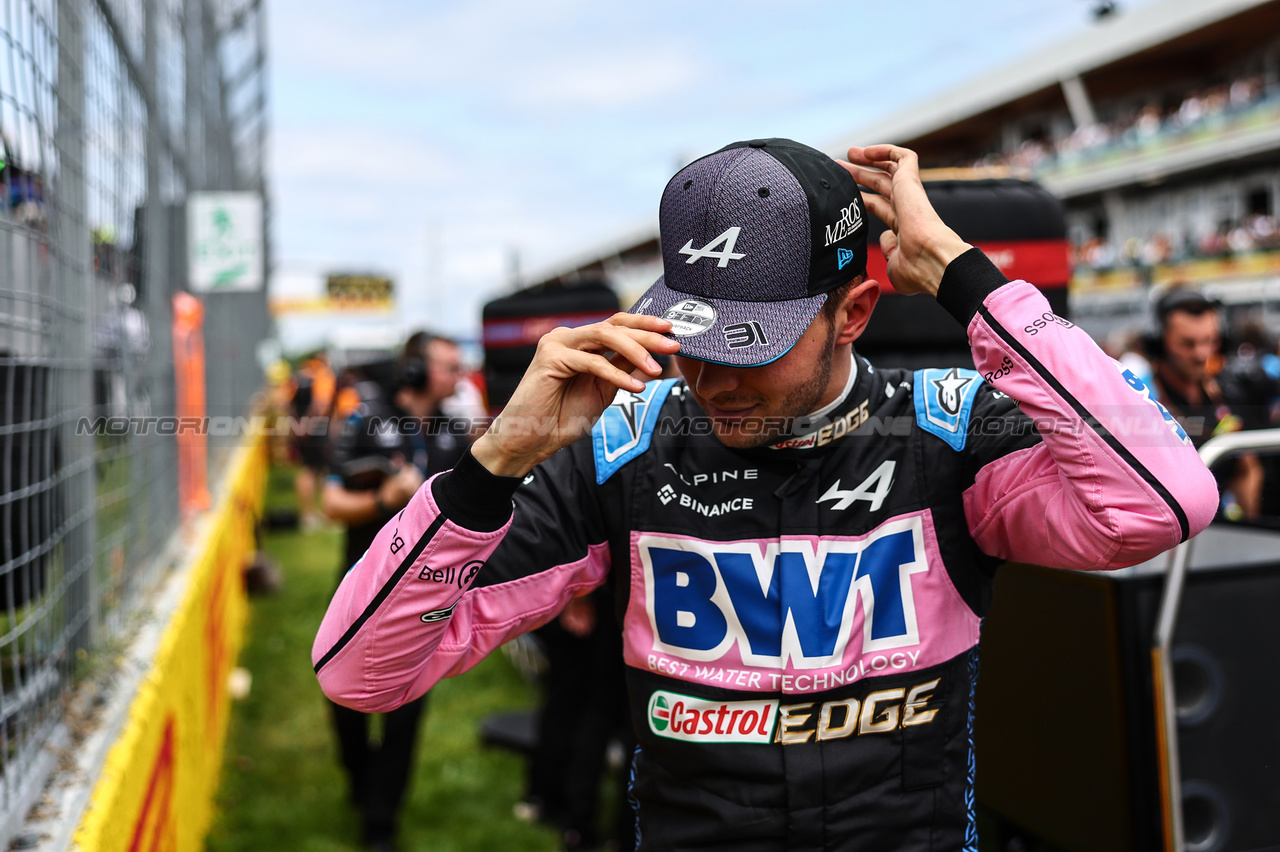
{"points": [[784, 604]]}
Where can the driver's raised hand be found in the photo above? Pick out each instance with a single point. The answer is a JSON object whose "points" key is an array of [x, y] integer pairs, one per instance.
{"points": [[917, 244], [574, 376]]}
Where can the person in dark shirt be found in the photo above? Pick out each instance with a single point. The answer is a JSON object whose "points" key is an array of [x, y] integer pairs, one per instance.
{"points": [[381, 454], [1189, 340]]}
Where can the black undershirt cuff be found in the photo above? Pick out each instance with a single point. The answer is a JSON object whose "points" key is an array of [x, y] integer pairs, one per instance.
{"points": [[967, 282], [472, 497]]}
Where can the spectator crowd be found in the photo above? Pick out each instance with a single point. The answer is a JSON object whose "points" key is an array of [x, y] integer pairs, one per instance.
{"points": [[1139, 126], [1257, 232]]}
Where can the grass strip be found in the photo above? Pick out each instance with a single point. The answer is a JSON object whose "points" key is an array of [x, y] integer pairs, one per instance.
{"points": [[282, 787]]}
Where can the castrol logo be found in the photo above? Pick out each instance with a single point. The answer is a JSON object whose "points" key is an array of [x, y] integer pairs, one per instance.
{"points": [[682, 717]]}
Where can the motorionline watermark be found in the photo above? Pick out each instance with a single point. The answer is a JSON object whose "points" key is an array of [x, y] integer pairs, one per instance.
{"points": [[1123, 422], [1129, 424], [254, 426]]}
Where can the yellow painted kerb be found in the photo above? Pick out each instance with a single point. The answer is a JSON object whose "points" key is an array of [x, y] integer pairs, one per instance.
{"points": [[156, 789]]}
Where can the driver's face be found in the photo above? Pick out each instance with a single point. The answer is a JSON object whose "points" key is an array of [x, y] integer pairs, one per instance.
{"points": [[743, 402]]}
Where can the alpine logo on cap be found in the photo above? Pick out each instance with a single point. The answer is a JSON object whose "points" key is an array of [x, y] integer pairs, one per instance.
{"points": [[730, 239], [850, 221]]}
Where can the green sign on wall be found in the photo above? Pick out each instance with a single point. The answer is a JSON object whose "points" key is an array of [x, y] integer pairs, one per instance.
{"points": [[224, 239]]}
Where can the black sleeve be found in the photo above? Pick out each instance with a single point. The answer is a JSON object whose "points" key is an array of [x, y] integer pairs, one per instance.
{"points": [[559, 515]]}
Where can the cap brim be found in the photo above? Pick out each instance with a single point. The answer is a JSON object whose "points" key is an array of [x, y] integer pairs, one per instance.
{"points": [[722, 331]]}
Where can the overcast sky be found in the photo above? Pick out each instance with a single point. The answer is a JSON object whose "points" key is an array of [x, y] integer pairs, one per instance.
{"points": [[432, 140]]}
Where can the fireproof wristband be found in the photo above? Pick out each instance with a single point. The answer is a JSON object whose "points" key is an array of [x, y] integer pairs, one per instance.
{"points": [[472, 497], [967, 282]]}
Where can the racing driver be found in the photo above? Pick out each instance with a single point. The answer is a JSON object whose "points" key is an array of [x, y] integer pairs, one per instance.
{"points": [[801, 546]]}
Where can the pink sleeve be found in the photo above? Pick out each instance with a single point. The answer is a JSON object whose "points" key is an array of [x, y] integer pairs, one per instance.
{"points": [[405, 615], [1115, 481]]}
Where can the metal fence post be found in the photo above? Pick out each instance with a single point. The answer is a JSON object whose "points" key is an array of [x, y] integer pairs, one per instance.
{"points": [[72, 271]]}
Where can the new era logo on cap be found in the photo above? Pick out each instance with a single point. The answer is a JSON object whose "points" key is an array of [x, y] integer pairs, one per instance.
{"points": [[844, 257]]}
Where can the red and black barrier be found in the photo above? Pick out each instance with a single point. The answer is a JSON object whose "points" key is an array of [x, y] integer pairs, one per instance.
{"points": [[1017, 223], [513, 324]]}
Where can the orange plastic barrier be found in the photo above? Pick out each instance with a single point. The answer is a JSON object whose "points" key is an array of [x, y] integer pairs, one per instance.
{"points": [[188, 363]]}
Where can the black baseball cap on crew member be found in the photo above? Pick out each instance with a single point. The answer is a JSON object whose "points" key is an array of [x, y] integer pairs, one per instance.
{"points": [[754, 236]]}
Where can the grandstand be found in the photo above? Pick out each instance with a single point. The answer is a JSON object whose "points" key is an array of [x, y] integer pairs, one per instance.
{"points": [[1158, 129], [1160, 132]]}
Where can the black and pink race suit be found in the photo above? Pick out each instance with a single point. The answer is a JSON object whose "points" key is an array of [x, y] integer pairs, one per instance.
{"points": [[802, 620]]}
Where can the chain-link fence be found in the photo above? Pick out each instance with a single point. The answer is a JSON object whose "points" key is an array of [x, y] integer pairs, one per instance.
{"points": [[111, 113]]}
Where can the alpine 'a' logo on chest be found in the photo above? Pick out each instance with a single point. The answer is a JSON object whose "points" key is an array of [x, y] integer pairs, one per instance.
{"points": [[874, 489]]}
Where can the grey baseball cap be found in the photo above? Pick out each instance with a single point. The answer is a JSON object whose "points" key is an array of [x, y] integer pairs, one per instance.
{"points": [[754, 236]]}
